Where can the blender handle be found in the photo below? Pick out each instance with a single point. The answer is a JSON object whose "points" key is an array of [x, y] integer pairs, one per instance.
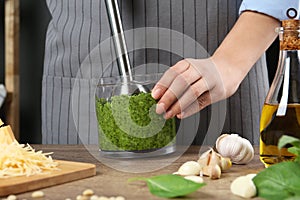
{"points": [[116, 27]]}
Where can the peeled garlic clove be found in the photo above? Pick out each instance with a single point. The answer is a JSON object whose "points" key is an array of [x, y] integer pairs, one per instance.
{"points": [[243, 186], [189, 168], [251, 176], [196, 179], [238, 149]]}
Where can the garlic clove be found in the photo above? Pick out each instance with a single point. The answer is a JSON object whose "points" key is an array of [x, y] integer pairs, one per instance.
{"points": [[209, 157], [238, 149], [206, 154], [189, 168], [205, 158], [243, 186], [213, 164], [225, 163], [251, 176], [213, 171], [215, 159], [196, 179]]}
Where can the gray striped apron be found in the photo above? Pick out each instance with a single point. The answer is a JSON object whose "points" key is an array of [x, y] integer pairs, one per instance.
{"points": [[78, 27]]}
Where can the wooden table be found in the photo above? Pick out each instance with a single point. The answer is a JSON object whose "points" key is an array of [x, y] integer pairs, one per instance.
{"points": [[110, 182]]}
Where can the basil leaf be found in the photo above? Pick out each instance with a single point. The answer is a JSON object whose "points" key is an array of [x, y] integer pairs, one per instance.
{"points": [[279, 181], [285, 139], [294, 150], [293, 198], [169, 185]]}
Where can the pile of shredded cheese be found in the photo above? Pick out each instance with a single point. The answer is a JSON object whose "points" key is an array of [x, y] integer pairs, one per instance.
{"points": [[19, 159]]}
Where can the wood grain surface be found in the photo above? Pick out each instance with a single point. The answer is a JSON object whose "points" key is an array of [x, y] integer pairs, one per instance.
{"points": [[111, 182], [68, 171]]}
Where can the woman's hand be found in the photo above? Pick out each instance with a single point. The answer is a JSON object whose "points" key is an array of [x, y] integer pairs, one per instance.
{"points": [[190, 85]]}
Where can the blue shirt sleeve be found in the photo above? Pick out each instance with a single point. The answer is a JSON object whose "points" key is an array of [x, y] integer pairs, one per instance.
{"points": [[274, 8]]}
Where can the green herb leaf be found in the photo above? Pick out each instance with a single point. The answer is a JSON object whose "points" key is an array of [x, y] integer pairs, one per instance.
{"points": [[285, 139], [169, 185], [279, 181], [293, 198], [294, 150]]}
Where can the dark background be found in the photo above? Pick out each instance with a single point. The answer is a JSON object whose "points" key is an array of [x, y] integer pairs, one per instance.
{"points": [[34, 17]]}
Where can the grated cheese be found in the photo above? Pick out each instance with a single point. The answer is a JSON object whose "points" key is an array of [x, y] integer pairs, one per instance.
{"points": [[20, 159]]}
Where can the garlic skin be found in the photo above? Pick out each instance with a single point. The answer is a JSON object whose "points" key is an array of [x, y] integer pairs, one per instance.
{"points": [[212, 158], [213, 164], [238, 149], [213, 171], [225, 163], [189, 168]]}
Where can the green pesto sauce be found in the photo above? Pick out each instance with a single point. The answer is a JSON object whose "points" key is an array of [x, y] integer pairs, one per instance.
{"points": [[141, 128]]}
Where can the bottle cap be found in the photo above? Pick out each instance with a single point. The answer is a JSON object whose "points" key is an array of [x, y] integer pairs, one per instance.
{"points": [[290, 35], [292, 24]]}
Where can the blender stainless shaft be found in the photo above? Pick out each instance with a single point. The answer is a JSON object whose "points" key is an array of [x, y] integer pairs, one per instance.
{"points": [[118, 37], [121, 48]]}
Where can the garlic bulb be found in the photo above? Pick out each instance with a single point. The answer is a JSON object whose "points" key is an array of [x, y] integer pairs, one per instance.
{"points": [[238, 149]]}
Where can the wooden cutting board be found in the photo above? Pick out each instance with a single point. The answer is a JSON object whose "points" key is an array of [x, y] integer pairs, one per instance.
{"points": [[69, 171]]}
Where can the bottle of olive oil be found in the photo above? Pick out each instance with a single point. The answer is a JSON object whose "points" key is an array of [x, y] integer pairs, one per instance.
{"points": [[281, 111]]}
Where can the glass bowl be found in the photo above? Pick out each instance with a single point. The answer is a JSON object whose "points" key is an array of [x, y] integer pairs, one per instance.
{"points": [[128, 125]]}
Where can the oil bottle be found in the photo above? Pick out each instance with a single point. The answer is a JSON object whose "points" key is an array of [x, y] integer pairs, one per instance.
{"points": [[281, 111]]}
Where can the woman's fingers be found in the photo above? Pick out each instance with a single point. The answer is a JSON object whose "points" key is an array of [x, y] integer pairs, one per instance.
{"points": [[188, 87], [191, 95], [168, 77], [178, 88], [173, 84], [201, 102]]}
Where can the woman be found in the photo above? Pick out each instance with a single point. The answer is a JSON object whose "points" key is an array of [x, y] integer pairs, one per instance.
{"points": [[78, 27]]}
